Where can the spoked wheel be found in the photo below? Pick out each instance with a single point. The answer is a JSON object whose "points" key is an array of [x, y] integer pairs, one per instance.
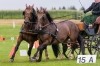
{"points": [[75, 53], [94, 45], [89, 43]]}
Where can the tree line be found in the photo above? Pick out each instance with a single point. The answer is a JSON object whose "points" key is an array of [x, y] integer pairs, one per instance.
{"points": [[64, 8]]}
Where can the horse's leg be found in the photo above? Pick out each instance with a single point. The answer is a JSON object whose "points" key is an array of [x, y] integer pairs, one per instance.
{"points": [[35, 55], [29, 50], [72, 52], [16, 48], [74, 46], [40, 50], [46, 53], [81, 43], [64, 48], [40, 56]]}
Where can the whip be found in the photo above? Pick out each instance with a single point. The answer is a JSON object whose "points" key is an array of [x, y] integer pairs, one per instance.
{"points": [[81, 5]]}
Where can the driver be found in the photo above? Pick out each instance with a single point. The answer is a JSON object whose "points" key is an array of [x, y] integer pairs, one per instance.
{"points": [[95, 8]]}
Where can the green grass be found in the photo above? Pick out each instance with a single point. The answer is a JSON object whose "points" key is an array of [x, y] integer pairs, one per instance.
{"points": [[5, 48]]}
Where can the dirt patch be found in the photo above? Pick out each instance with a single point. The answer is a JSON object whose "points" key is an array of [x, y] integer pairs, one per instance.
{"points": [[75, 21], [20, 22], [11, 21]]}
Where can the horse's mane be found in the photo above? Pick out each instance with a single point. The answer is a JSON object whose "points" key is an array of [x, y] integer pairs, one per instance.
{"points": [[49, 17], [35, 15]]}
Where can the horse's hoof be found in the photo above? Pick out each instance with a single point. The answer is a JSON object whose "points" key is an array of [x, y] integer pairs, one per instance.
{"points": [[70, 58], [59, 58], [32, 60], [11, 60]]}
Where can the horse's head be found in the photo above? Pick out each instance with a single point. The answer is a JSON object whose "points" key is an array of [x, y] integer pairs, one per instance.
{"points": [[30, 18], [42, 19], [29, 14]]}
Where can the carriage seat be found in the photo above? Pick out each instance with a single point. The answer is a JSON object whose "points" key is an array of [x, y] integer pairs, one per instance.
{"points": [[91, 29]]}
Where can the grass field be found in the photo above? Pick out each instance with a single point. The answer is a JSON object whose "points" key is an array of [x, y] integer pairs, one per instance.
{"points": [[7, 31]]}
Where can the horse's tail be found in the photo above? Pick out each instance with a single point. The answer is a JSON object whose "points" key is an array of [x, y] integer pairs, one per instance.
{"points": [[81, 43], [56, 49]]}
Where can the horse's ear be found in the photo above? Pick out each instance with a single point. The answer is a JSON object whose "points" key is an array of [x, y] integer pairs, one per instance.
{"points": [[33, 6], [29, 6], [26, 6], [44, 10]]}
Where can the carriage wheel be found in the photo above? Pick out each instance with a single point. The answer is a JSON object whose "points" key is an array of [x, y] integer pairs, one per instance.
{"points": [[76, 51], [94, 45], [89, 43]]}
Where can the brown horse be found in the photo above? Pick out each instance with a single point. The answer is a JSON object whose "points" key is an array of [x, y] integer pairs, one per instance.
{"points": [[51, 33], [27, 31]]}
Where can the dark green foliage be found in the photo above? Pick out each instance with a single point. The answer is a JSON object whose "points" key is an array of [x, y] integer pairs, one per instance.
{"points": [[11, 14], [63, 14]]}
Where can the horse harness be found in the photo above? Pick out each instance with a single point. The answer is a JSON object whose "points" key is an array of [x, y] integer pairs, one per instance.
{"points": [[54, 36], [31, 31]]}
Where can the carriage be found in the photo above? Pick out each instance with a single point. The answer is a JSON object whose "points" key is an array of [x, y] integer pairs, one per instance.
{"points": [[91, 36]]}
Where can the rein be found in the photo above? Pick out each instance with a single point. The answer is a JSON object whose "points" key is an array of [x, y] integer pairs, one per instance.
{"points": [[27, 32], [31, 22], [45, 25]]}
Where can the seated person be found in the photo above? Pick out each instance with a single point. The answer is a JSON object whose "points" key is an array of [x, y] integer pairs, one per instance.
{"points": [[95, 8]]}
